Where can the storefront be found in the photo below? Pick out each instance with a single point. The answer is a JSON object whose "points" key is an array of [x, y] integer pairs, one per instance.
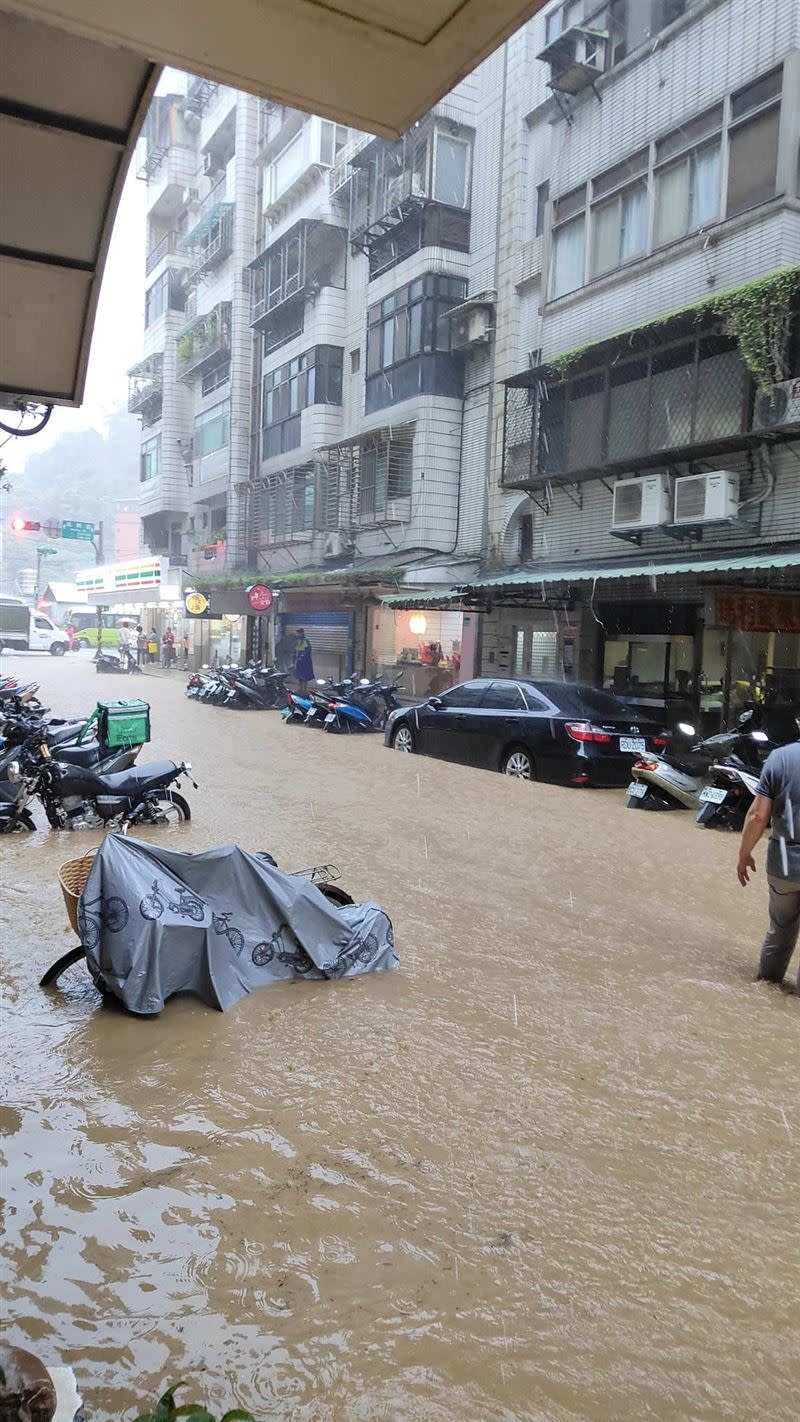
{"points": [[423, 644], [146, 589]]}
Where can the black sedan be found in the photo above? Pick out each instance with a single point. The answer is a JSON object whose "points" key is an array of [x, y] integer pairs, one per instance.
{"points": [[534, 730]]}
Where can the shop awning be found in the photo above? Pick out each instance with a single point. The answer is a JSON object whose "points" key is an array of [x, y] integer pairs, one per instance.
{"points": [[408, 601], [634, 568]]}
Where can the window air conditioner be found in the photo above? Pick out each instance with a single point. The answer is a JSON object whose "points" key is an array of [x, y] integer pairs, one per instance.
{"points": [[780, 407], [641, 503], [472, 328], [577, 58], [707, 498], [337, 544]]}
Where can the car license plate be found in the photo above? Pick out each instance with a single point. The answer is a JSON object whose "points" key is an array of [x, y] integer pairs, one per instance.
{"points": [[712, 796], [633, 745], [637, 789], [330, 717]]}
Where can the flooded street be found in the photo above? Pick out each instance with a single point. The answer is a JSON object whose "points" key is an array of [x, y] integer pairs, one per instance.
{"points": [[547, 1171]]}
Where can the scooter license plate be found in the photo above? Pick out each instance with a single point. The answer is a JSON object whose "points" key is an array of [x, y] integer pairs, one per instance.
{"points": [[712, 796], [329, 718], [637, 790], [635, 745]]}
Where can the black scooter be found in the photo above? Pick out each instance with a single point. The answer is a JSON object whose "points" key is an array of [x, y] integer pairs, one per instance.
{"points": [[116, 663], [77, 797]]}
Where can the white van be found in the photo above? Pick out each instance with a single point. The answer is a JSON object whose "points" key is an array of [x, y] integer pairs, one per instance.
{"points": [[26, 630]]}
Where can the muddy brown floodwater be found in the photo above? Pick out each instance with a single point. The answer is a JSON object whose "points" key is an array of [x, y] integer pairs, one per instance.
{"points": [[546, 1171]]}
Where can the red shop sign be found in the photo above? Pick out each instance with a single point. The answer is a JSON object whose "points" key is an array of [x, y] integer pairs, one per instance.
{"points": [[259, 597]]}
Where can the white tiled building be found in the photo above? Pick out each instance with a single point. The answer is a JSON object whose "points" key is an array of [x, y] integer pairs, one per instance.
{"points": [[381, 363]]}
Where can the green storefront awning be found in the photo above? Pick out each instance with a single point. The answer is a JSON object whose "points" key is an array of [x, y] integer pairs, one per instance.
{"points": [[519, 578], [636, 568]]}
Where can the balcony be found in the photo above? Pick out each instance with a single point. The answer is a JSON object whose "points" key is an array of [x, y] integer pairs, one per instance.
{"points": [[649, 399], [204, 338], [411, 194], [210, 243], [311, 255], [308, 154], [167, 184], [145, 388], [167, 246]]}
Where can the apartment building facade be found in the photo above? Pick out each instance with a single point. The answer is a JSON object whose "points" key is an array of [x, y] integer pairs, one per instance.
{"points": [[488, 399]]}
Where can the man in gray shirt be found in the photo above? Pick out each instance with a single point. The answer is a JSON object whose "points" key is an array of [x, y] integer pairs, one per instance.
{"points": [[777, 798]]}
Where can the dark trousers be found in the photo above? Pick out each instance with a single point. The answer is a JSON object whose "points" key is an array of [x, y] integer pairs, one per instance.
{"points": [[784, 926]]}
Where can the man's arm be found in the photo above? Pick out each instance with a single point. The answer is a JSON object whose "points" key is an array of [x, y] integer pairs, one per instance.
{"points": [[758, 818]]}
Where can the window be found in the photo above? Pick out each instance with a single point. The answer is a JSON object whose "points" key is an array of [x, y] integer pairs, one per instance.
{"points": [[217, 376], [44, 624], [542, 199], [753, 154], [212, 429], [313, 378], [289, 504], [619, 229], [568, 257], [333, 138], [687, 193], [355, 361], [150, 459], [156, 299], [469, 693], [451, 171], [385, 479], [408, 342], [525, 537], [504, 696]]}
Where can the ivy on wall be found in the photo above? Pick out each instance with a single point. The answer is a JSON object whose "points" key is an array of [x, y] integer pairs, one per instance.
{"points": [[757, 315]]}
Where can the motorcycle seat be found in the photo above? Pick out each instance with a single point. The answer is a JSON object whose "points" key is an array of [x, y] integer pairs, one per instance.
{"points": [[155, 773], [60, 734]]}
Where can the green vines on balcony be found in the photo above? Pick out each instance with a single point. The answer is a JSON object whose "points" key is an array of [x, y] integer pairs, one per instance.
{"points": [[757, 315]]}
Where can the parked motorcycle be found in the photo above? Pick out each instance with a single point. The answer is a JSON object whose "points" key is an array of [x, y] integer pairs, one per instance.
{"points": [[77, 797], [675, 780], [14, 792], [366, 709], [116, 663], [725, 800]]}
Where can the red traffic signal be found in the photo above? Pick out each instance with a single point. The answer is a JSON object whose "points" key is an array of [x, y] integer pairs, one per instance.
{"points": [[24, 525]]}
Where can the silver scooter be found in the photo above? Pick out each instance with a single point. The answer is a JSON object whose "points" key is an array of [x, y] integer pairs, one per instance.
{"points": [[676, 781]]}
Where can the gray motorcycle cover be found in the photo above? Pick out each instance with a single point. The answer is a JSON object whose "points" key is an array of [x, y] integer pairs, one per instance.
{"points": [[154, 921]]}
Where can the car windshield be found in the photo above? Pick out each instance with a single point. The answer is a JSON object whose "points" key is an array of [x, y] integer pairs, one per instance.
{"points": [[584, 701]]}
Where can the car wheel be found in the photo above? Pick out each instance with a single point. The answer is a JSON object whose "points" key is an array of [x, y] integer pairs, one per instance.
{"points": [[58, 649], [83, 644], [518, 763], [403, 739]]}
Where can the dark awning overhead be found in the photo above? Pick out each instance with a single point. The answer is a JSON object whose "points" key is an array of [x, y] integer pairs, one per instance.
{"points": [[70, 113]]}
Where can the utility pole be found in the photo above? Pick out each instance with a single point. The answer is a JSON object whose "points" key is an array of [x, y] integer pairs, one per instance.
{"points": [[41, 552], [97, 544]]}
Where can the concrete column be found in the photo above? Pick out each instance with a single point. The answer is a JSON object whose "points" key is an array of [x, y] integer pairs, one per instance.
{"points": [[241, 335]]}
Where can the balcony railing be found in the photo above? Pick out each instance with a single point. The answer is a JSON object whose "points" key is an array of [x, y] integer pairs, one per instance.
{"points": [[215, 246], [162, 249], [203, 338], [145, 385]]}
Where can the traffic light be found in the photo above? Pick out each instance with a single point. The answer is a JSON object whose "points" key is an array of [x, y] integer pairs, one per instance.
{"points": [[24, 525]]}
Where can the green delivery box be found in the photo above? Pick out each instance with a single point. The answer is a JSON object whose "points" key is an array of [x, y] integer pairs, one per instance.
{"points": [[121, 724]]}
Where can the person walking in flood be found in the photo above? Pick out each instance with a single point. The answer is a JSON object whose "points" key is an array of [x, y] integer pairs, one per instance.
{"points": [[303, 664], [777, 799]]}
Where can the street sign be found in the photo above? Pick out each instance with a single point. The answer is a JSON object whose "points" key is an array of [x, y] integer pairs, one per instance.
{"points": [[70, 528], [51, 528], [46, 552]]}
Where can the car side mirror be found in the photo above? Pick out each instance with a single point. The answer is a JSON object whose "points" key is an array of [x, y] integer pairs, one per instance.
{"points": [[436, 703]]}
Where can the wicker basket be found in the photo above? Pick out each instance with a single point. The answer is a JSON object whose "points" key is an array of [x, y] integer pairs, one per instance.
{"points": [[72, 876]]}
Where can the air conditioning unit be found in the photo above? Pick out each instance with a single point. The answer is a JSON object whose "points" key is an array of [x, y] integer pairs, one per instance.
{"points": [[707, 498], [471, 328], [780, 407], [641, 503], [577, 58], [337, 544], [211, 165]]}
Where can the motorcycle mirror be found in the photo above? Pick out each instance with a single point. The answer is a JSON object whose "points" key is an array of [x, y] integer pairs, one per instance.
{"points": [[685, 728], [759, 736], [744, 718]]}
